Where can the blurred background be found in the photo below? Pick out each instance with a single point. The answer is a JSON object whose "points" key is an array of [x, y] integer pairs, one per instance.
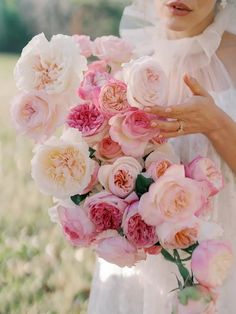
{"points": [[39, 271]]}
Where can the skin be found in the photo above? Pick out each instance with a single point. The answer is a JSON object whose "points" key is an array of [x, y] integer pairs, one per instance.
{"points": [[199, 114]]}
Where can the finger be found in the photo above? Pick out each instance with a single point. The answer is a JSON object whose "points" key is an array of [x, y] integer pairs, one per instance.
{"points": [[166, 126], [167, 135], [194, 86], [173, 112]]}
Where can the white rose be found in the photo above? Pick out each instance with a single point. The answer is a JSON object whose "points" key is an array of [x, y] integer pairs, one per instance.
{"points": [[62, 167], [55, 67], [146, 81]]}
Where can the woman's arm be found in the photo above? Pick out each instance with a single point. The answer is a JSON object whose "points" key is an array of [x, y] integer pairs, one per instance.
{"points": [[200, 115]]}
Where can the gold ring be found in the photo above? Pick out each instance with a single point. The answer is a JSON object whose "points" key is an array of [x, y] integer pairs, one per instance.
{"points": [[181, 127]]}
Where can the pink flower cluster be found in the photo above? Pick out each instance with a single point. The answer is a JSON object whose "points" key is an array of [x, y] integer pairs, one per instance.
{"points": [[119, 187]]}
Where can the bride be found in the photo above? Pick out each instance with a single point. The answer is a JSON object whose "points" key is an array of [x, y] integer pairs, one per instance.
{"points": [[195, 42]]}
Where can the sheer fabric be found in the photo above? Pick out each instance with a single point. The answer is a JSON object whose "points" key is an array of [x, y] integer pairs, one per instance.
{"points": [[144, 289]]}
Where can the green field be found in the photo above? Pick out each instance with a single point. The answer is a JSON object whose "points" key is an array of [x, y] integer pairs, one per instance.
{"points": [[40, 272]]}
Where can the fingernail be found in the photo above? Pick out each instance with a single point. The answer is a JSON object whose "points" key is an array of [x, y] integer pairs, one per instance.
{"points": [[154, 124], [147, 109]]}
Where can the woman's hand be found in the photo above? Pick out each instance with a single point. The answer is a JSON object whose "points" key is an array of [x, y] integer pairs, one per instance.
{"points": [[198, 115]]}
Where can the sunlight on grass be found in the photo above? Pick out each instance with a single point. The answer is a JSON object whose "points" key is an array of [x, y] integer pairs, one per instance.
{"points": [[39, 271]]}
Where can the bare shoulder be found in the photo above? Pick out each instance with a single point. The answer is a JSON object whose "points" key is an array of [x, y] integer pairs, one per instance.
{"points": [[227, 54]]}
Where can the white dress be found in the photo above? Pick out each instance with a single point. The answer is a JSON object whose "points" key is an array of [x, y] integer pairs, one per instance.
{"points": [[144, 289]]}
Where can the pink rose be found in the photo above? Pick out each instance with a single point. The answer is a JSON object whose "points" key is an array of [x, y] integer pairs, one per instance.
{"points": [[37, 115], [94, 180], [89, 121], [105, 210], [118, 250], [112, 49], [172, 198], [77, 227], [120, 177], [179, 235], [146, 81], [194, 300], [204, 169], [132, 130], [98, 66], [136, 230], [211, 262], [113, 98], [85, 44], [154, 250], [92, 83], [108, 150]]}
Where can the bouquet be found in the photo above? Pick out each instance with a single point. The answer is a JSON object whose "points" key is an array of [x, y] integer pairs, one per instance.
{"points": [[117, 185]]}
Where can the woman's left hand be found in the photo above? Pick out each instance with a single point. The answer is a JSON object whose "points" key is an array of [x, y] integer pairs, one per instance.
{"points": [[199, 114]]}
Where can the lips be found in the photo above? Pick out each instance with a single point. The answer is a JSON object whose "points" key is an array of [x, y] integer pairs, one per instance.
{"points": [[178, 8]]}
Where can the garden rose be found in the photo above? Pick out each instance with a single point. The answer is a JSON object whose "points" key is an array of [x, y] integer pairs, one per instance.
{"points": [[91, 85], [172, 198], [211, 262], [113, 98], [108, 150], [120, 177], [162, 152], [136, 230], [118, 250], [112, 49], [62, 167], [179, 235], [54, 67], [77, 227], [204, 169], [93, 181], [146, 81], [105, 210], [132, 130], [89, 121], [194, 300], [85, 44], [37, 115], [98, 66]]}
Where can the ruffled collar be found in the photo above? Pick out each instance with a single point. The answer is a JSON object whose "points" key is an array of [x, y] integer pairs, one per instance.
{"points": [[204, 44]]}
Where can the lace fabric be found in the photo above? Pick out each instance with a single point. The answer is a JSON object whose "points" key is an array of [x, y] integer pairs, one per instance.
{"points": [[144, 289]]}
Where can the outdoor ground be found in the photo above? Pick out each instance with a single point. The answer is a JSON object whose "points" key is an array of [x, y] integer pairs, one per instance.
{"points": [[39, 272]]}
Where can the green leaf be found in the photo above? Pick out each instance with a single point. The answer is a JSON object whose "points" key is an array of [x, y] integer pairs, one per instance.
{"points": [[185, 275], [191, 248], [142, 185], [168, 256], [92, 152], [77, 199]]}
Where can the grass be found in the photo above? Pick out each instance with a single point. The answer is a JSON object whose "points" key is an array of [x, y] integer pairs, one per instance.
{"points": [[39, 271]]}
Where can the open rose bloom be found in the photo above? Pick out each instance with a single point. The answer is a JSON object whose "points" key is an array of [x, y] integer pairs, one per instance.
{"points": [[118, 186]]}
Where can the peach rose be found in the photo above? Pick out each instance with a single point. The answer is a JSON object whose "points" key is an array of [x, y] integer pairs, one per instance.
{"points": [[37, 115], [172, 198], [211, 262], [120, 177], [113, 98], [204, 169], [133, 131], [146, 81], [179, 235], [62, 167], [108, 150]]}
